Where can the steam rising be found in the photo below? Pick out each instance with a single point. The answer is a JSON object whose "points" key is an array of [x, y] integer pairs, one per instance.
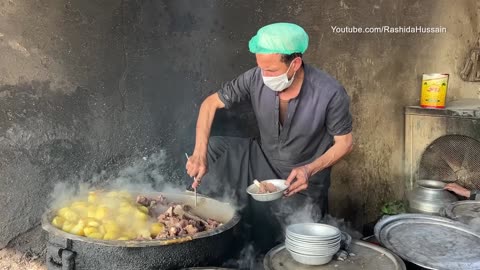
{"points": [[143, 175], [289, 214]]}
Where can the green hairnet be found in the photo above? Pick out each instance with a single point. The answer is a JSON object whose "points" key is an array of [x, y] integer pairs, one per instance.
{"points": [[284, 38]]}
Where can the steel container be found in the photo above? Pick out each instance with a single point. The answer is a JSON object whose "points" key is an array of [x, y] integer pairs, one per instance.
{"points": [[429, 197], [68, 251]]}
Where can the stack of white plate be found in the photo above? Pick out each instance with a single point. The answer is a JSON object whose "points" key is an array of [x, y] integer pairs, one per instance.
{"points": [[312, 243]]}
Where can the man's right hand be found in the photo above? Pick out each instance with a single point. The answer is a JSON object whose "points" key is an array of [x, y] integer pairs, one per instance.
{"points": [[197, 167], [197, 164], [457, 189]]}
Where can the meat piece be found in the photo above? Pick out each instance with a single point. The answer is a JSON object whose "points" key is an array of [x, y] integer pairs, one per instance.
{"points": [[184, 213], [162, 218], [266, 187], [191, 229], [170, 211], [157, 210], [197, 224], [177, 218], [183, 223], [182, 232], [213, 223], [143, 201], [161, 199], [164, 234], [172, 222], [146, 201], [155, 206], [173, 231]]}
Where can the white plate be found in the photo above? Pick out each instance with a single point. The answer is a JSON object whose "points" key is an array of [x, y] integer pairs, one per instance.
{"points": [[302, 245], [314, 242], [313, 253], [310, 260], [313, 231]]}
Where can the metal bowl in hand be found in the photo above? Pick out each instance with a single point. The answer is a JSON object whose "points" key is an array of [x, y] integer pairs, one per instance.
{"points": [[280, 185]]}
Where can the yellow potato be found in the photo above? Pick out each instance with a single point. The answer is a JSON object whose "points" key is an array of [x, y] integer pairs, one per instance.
{"points": [[96, 235], [156, 228], [111, 226], [126, 195], [101, 213], [143, 233], [111, 236], [130, 234], [123, 220], [91, 211], [125, 204], [101, 229], [139, 225], [139, 215], [123, 238], [62, 211], [91, 222], [111, 205], [82, 211], [90, 230], [67, 226], [78, 229], [71, 215], [126, 209], [143, 209], [58, 221]]}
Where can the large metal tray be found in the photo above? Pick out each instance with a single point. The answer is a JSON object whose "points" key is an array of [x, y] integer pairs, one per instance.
{"points": [[389, 219], [432, 243], [367, 256], [463, 211]]}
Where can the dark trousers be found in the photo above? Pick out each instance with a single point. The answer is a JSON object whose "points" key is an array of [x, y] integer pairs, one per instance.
{"points": [[233, 164]]}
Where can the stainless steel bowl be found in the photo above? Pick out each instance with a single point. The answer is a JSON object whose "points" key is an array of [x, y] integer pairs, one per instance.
{"points": [[429, 197]]}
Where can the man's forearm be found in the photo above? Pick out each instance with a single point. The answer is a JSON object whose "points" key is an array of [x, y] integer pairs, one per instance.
{"points": [[204, 123], [332, 156]]}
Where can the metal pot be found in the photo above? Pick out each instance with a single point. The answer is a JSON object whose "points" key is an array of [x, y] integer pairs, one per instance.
{"points": [[68, 251], [429, 197]]}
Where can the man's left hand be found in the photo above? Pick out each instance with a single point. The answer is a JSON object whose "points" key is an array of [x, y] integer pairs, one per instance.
{"points": [[298, 180]]}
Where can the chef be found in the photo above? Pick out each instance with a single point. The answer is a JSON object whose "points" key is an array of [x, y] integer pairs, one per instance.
{"points": [[305, 127]]}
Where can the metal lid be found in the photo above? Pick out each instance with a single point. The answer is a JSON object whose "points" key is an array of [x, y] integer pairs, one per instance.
{"points": [[432, 243], [367, 256], [463, 211], [385, 220]]}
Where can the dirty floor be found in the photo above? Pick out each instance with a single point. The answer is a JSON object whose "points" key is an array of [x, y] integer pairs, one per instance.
{"points": [[13, 260]]}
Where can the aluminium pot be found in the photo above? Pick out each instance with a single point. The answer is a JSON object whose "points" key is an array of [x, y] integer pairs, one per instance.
{"points": [[68, 251], [429, 197]]}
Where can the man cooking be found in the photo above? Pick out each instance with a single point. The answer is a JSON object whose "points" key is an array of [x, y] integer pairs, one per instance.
{"points": [[304, 122]]}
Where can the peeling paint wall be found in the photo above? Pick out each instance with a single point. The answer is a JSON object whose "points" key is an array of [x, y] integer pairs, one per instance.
{"points": [[88, 85]]}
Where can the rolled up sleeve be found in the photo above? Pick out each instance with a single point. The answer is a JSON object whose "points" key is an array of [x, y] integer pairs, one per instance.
{"points": [[236, 90], [339, 119]]}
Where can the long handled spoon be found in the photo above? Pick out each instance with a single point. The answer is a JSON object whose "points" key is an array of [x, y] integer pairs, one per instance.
{"points": [[195, 189]]}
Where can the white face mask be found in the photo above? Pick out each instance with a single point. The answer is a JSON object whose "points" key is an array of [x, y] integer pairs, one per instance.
{"points": [[279, 83]]}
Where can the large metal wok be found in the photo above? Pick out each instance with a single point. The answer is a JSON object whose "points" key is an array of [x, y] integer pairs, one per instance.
{"points": [[68, 251]]}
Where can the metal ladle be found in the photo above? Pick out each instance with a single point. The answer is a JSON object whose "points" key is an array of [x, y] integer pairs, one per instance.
{"points": [[194, 189]]}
